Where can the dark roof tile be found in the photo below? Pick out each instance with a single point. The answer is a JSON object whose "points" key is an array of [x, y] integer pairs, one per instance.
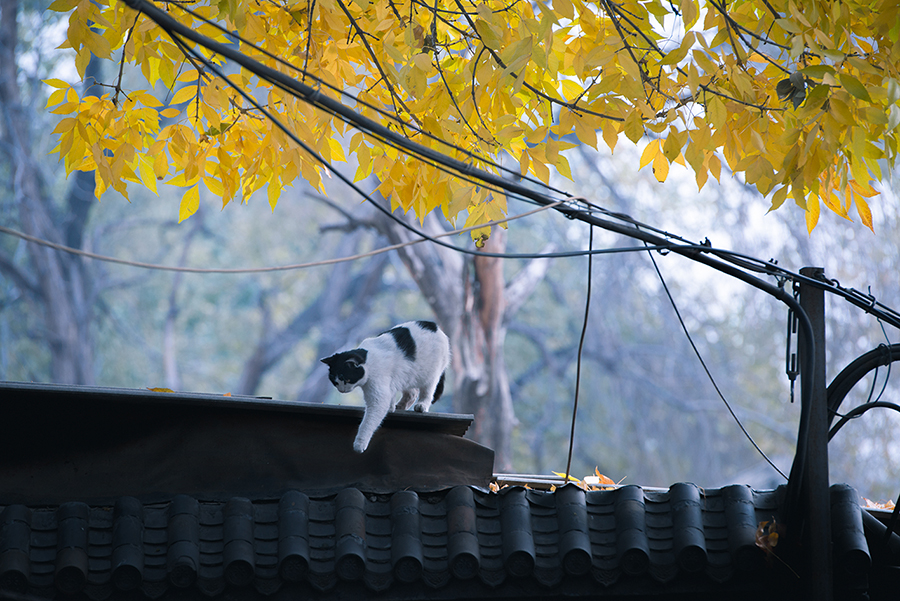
{"points": [[350, 542]]}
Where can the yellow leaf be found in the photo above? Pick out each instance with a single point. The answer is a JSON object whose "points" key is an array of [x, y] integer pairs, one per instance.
{"points": [[660, 167], [184, 95], [170, 113], [160, 390], [56, 83], [610, 134], [690, 12], [62, 6], [145, 168], [634, 125], [865, 214], [715, 112], [650, 151], [190, 202], [812, 212], [715, 166]]}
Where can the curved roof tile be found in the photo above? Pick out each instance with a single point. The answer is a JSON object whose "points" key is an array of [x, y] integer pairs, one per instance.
{"points": [[353, 541]]}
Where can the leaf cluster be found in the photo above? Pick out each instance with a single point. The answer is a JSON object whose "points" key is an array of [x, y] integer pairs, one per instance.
{"points": [[801, 98]]}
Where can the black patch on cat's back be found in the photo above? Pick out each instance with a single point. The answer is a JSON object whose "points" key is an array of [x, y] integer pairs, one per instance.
{"points": [[427, 325], [404, 341]]}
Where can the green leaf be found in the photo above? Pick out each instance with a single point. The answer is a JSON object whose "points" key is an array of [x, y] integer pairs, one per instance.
{"points": [[818, 71], [893, 117], [853, 85]]}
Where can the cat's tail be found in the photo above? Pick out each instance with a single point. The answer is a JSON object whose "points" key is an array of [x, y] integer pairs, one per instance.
{"points": [[439, 390]]}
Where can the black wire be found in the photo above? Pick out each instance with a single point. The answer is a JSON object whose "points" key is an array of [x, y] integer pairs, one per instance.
{"points": [[887, 376], [312, 152], [706, 369], [722, 262], [587, 309], [858, 411], [366, 125]]}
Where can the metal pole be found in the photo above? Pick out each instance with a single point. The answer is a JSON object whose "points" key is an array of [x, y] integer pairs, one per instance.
{"points": [[818, 574]]}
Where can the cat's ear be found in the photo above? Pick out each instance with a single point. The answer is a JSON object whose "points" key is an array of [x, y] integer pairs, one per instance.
{"points": [[328, 360], [357, 357]]}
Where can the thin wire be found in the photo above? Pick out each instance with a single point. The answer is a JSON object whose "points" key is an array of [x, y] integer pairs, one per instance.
{"points": [[887, 376], [311, 151], [858, 411], [295, 266], [706, 369], [692, 251], [587, 308]]}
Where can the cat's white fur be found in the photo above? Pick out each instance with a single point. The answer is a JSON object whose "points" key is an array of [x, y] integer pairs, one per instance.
{"points": [[389, 374]]}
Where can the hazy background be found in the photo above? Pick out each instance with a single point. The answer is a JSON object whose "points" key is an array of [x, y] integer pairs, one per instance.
{"points": [[647, 411]]}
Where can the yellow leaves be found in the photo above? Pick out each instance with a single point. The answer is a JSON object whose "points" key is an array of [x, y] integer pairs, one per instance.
{"points": [[657, 155], [812, 212], [184, 95], [690, 12], [510, 81], [490, 33], [767, 534], [190, 202], [886, 506]]}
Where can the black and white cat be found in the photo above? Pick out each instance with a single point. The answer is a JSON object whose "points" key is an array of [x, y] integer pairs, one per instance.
{"points": [[410, 358]]}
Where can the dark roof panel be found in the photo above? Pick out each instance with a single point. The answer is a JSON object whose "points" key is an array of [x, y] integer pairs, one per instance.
{"points": [[73, 443], [616, 539]]}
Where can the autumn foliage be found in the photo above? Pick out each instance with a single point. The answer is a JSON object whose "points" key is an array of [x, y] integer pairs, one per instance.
{"points": [[801, 98]]}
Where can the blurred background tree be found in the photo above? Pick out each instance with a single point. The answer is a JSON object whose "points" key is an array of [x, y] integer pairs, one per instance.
{"points": [[648, 412]]}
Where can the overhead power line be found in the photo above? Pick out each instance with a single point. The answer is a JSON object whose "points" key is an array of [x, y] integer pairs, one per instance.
{"points": [[316, 98], [723, 261], [323, 262]]}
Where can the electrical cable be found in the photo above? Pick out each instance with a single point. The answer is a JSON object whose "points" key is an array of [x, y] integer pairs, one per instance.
{"points": [[316, 98], [587, 309], [722, 263], [706, 369], [311, 151], [854, 372], [295, 266], [858, 411]]}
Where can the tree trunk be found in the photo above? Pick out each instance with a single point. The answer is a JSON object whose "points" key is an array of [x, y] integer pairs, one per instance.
{"points": [[328, 313], [469, 298], [64, 285]]}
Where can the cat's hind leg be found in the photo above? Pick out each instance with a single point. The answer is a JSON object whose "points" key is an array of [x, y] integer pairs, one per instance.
{"points": [[429, 395], [377, 407], [407, 399]]}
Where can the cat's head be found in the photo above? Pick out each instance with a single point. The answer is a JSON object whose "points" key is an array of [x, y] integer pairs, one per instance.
{"points": [[347, 370]]}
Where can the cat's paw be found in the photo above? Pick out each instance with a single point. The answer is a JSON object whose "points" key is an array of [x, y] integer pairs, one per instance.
{"points": [[421, 408], [360, 446]]}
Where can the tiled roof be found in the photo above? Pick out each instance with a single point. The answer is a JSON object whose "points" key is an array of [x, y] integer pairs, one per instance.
{"points": [[458, 542]]}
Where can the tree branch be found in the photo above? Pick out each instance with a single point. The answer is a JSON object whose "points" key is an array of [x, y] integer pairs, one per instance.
{"points": [[18, 276]]}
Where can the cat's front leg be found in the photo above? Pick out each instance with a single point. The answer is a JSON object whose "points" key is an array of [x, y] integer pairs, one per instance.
{"points": [[377, 405]]}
